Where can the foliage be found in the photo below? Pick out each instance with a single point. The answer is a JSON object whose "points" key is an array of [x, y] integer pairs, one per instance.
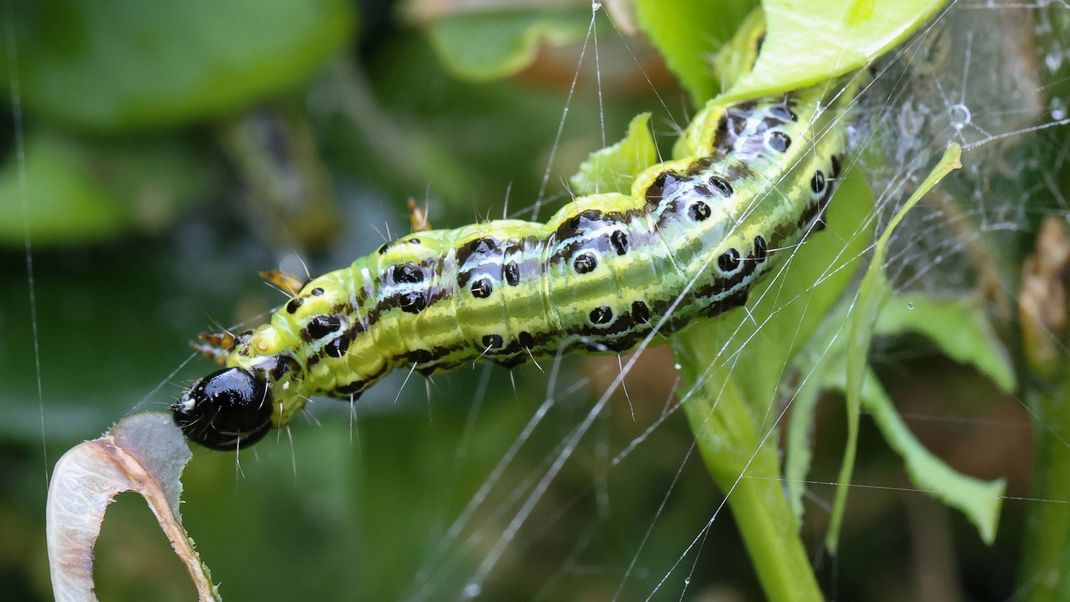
{"points": [[129, 65], [811, 43], [485, 45], [732, 442], [146, 229], [688, 33], [613, 168]]}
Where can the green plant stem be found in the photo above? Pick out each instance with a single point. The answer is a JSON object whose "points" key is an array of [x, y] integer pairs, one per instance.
{"points": [[745, 466], [1046, 563], [1042, 312]]}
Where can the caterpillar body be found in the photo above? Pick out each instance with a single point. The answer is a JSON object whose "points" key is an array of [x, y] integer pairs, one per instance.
{"points": [[602, 274]]}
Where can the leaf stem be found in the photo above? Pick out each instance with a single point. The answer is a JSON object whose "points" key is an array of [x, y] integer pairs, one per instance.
{"points": [[1046, 563], [746, 467]]}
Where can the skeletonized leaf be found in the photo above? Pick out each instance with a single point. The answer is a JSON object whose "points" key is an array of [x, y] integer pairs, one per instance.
{"points": [[144, 453], [960, 329], [798, 451]]}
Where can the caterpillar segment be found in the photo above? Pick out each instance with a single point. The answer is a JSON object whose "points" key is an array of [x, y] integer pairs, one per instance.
{"points": [[607, 270]]}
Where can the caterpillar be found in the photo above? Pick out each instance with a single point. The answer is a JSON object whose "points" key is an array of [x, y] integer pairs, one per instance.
{"points": [[602, 274]]}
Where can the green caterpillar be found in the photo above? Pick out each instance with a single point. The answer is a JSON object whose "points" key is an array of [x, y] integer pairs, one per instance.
{"points": [[601, 275]]}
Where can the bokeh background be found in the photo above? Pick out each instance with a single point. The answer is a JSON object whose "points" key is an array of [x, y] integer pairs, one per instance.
{"points": [[172, 150]]}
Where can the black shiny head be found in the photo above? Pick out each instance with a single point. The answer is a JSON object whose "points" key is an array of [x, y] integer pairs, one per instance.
{"points": [[225, 410]]}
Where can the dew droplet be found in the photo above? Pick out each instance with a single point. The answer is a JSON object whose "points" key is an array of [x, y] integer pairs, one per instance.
{"points": [[960, 115], [1054, 59], [1058, 108], [472, 590]]}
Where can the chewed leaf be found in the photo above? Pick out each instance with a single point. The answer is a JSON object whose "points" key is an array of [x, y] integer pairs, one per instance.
{"points": [[978, 500], [822, 354], [797, 447], [957, 325], [496, 43], [824, 362], [144, 453], [613, 168], [810, 42], [688, 33], [872, 294]]}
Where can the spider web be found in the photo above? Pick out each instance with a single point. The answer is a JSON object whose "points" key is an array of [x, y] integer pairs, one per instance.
{"points": [[940, 88], [594, 488]]}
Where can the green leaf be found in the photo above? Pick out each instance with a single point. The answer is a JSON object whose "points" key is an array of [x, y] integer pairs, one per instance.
{"points": [[63, 203], [824, 365], [491, 45], [810, 42], [613, 168], [129, 64], [688, 33], [797, 447], [736, 58], [979, 500], [957, 325], [78, 191], [872, 294], [824, 348]]}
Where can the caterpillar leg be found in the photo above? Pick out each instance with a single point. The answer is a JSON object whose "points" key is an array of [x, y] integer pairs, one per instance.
{"points": [[287, 282], [215, 346], [418, 217]]}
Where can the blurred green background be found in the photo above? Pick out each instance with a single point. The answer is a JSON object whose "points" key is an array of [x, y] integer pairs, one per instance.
{"points": [[172, 150]]}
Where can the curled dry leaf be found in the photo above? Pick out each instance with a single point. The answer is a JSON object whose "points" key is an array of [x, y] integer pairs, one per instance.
{"points": [[144, 453]]}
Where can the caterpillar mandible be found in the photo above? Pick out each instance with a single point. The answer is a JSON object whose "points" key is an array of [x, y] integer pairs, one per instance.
{"points": [[607, 270]]}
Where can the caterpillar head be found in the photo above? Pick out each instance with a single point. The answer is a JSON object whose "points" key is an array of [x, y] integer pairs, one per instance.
{"points": [[225, 410]]}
